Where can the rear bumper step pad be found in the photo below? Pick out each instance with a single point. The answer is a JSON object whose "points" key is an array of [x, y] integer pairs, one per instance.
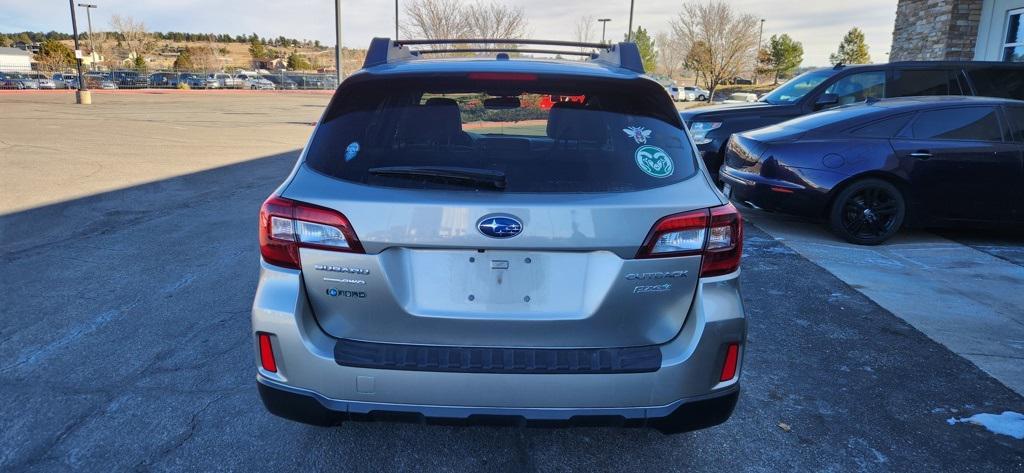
{"points": [[497, 360]]}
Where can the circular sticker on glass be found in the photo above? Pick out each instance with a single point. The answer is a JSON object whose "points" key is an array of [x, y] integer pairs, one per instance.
{"points": [[654, 161]]}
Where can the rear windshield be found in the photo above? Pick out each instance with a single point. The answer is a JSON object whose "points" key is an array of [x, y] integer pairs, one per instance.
{"points": [[533, 133]]}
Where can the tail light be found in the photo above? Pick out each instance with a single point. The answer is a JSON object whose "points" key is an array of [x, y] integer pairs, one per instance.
{"points": [[287, 225], [715, 233]]}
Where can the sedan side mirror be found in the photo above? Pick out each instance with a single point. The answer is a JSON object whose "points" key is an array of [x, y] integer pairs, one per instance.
{"points": [[826, 101]]}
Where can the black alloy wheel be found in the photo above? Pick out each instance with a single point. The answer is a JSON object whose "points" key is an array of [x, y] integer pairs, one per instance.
{"points": [[868, 212]]}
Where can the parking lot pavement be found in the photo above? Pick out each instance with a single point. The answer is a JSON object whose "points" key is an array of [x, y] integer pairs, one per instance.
{"points": [[126, 345], [966, 296]]}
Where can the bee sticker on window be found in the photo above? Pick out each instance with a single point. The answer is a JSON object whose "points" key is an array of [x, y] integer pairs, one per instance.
{"points": [[351, 151], [638, 133], [654, 161]]}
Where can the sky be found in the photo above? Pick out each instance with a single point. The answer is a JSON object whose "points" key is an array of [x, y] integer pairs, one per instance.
{"points": [[819, 25]]}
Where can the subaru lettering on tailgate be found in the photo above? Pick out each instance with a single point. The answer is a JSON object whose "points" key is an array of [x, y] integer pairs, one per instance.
{"points": [[500, 226]]}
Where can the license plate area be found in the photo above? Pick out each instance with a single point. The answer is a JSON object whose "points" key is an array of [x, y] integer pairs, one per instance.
{"points": [[497, 284]]}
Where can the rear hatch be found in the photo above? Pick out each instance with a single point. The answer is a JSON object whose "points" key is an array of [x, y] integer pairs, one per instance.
{"points": [[500, 210]]}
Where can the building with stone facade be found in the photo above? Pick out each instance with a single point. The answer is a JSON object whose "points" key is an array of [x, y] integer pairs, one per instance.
{"points": [[936, 30]]}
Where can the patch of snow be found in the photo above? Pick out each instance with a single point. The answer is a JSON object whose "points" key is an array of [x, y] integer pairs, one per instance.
{"points": [[1008, 423]]}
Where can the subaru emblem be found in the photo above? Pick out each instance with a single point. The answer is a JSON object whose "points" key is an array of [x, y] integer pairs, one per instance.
{"points": [[500, 226]]}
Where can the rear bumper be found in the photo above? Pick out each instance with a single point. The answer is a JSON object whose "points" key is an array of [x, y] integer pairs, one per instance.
{"points": [[680, 416], [307, 368]]}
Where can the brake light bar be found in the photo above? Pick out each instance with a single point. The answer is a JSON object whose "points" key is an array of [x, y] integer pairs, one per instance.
{"points": [[287, 225], [715, 233], [509, 76]]}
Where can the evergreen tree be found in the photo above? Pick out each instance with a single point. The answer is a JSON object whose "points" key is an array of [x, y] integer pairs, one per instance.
{"points": [[853, 49], [645, 44], [781, 57]]}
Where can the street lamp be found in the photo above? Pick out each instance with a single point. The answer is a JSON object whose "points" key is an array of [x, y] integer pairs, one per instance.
{"points": [[82, 95], [629, 32], [337, 49], [604, 26], [92, 45]]}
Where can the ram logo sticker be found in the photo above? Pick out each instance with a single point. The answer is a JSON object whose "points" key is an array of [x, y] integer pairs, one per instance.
{"points": [[654, 161]]}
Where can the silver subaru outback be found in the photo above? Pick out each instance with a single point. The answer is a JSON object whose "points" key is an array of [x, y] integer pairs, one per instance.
{"points": [[500, 239]]}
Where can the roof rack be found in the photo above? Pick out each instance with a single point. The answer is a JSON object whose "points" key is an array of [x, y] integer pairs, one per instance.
{"points": [[385, 50]]}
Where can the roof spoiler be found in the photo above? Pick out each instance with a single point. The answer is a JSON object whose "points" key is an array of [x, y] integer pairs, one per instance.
{"points": [[386, 50]]}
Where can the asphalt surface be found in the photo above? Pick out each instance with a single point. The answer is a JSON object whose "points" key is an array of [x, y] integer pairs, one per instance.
{"points": [[125, 344]]}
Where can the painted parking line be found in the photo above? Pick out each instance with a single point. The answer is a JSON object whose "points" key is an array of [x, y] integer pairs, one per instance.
{"points": [[968, 300]]}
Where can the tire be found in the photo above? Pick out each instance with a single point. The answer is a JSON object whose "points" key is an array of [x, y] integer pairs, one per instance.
{"points": [[868, 212], [701, 98]]}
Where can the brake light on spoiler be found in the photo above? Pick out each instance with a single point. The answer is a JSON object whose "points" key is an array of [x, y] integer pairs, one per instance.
{"points": [[287, 225], [715, 233]]}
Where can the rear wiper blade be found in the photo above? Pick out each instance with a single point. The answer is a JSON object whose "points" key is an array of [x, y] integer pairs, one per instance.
{"points": [[469, 176]]}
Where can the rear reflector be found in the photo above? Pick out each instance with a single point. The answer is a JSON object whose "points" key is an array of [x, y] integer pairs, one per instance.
{"points": [[267, 353], [732, 356], [715, 233], [287, 225]]}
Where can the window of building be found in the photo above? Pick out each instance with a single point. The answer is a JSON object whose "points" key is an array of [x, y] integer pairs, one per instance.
{"points": [[1013, 46]]}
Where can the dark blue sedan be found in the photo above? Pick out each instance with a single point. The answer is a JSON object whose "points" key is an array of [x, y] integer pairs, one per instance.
{"points": [[871, 168]]}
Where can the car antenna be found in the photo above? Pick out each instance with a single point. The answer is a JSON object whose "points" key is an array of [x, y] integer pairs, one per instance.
{"points": [[839, 66]]}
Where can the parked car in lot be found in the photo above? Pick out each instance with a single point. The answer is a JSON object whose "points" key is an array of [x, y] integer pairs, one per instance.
{"points": [[741, 97], [869, 169], [281, 82], [226, 81], [100, 80], [164, 79], [64, 80], [197, 81], [673, 91], [826, 88], [255, 81], [42, 80], [308, 81], [127, 79], [590, 269], [693, 93], [17, 80]]}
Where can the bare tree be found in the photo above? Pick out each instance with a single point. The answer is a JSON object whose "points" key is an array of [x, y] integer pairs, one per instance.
{"points": [[492, 20], [435, 19], [585, 30], [719, 41], [671, 54], [452, 19], [131, 34]]}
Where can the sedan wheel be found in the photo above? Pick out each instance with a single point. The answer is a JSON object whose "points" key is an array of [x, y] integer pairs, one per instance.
{"points": [[868, 212]]}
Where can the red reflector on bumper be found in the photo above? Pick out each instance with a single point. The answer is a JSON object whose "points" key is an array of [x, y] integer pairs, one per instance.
{"points": [[732, 356], [267, 353]]}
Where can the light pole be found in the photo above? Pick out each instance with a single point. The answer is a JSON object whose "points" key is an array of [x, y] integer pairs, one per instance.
{"points": [[629, 33], [396, 19], [92, 46], [337, 48], [604, 25], [82, 95]]}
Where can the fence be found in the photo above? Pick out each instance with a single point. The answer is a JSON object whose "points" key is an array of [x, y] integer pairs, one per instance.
{"points": [[17, 77]]}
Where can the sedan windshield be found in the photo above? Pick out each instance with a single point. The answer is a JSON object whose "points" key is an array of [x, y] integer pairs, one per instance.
{"points": [[797, 87]]}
